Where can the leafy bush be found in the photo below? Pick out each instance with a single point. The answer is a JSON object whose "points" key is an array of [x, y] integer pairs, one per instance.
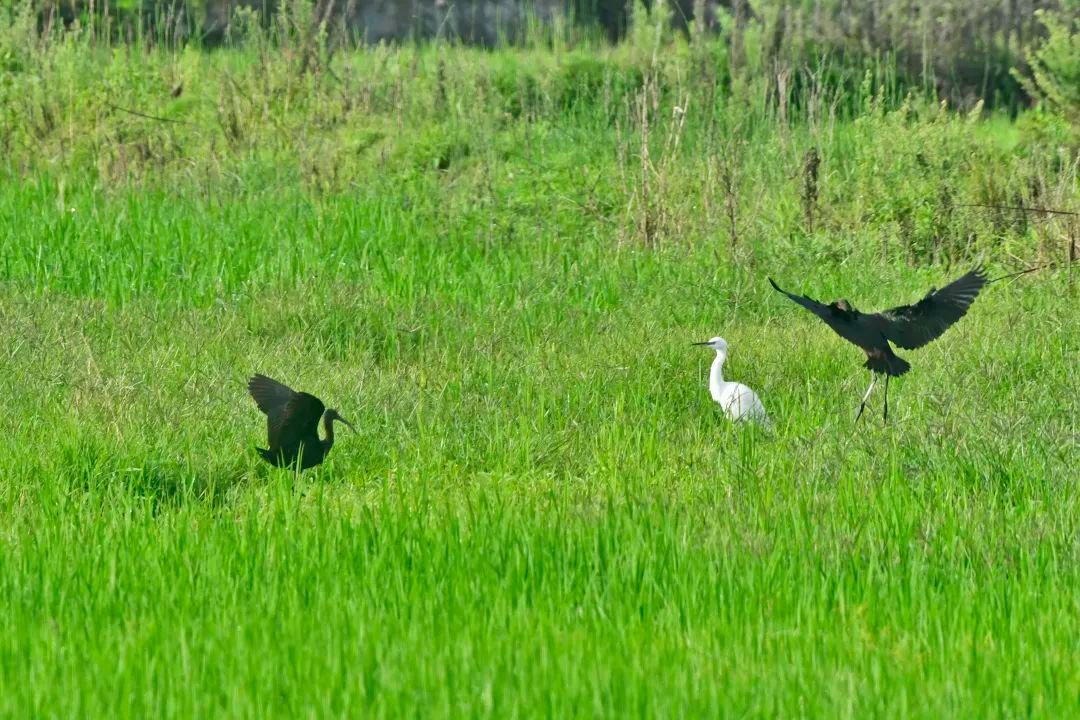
{"points": [[1053, 76]]}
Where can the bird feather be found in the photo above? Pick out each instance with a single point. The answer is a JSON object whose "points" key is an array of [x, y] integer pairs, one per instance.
{"points": [[840, 320], [912, 326], [291, 417]]}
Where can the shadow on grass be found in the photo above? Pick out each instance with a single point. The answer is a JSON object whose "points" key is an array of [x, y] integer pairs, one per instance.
{"points": [[94, 465]]}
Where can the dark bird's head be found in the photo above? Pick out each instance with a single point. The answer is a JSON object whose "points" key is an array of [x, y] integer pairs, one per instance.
{"points": [[331, 414], [844, 305]]}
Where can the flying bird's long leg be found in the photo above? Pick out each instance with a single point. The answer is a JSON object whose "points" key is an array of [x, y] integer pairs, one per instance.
{"points": [[862, 406], [885, 418]]}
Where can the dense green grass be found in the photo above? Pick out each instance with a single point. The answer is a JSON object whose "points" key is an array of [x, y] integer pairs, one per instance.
{"points": [[543, 513]]}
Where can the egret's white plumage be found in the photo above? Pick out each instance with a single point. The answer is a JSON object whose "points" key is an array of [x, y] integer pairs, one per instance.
{"points": [[738, 401]]}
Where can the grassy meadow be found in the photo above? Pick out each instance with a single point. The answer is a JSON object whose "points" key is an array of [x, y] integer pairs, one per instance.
{"points": [[493, 263]]}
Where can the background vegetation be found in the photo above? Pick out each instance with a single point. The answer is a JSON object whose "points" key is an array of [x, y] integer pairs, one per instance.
{"points": [[492, 262], [963, 49]]}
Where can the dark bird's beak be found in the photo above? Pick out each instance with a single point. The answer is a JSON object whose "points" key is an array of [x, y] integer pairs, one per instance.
{"points": [[346, 422]]}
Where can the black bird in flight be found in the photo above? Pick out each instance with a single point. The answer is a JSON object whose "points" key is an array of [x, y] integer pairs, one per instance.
{"points": [[292, 424], [907, 326]]}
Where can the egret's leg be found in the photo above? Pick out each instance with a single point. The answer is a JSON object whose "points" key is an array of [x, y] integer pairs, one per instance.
{"points": [[885, 419], [862, 406]]}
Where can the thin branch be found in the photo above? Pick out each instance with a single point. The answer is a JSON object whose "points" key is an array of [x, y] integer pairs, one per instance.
{"points": [[1019, 207], [136, 113], [1030, 269]]}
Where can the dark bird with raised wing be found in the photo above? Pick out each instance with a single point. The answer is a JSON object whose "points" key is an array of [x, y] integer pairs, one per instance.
{"points": [[907, 326], [292, 424]]}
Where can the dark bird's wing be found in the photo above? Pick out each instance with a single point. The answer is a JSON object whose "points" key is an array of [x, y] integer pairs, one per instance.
{"points": [[290, 416], [299, 423], [912, 326], [843, 322], [270, 395]]}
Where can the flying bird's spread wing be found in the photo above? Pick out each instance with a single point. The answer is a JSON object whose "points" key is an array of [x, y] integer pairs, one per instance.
{"points": [[912, 326], [842, 321], [290, 416], [819, 309]]}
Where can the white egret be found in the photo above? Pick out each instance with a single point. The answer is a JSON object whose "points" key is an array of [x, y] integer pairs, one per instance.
{"points": [[738, 401]]}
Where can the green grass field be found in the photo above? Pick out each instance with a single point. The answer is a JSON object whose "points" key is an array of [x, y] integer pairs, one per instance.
{"points": [[474, 259]]}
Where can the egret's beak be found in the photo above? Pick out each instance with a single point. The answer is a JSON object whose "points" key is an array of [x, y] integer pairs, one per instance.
{"points": [[701, 343]]}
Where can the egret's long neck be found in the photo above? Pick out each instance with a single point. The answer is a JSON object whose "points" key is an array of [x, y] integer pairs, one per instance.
{"points": [[328, 425], [716, 374]]}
